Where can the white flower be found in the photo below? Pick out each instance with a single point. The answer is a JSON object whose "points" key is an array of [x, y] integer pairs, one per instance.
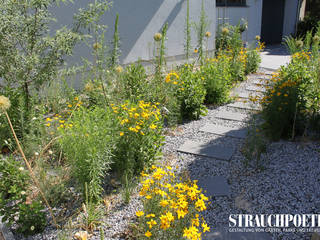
{"points": [[21, 168], [23, 193], [50, 152], [32, 228], [36, 153]]}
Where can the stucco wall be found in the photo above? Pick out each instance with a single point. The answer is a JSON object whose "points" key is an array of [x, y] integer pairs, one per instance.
{"points": [[139, 20], [252, 13], [290, 16]]}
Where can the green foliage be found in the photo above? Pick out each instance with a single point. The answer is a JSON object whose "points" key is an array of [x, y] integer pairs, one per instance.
{"points": [[161, 51], [115, 44], [253, 61], [133, 83], [138, 127], [190, 92], [217, 77], [14, 207], [293, 99], [201, 28], [229, 38], [87, 143], [29, 56], [187, 46]]}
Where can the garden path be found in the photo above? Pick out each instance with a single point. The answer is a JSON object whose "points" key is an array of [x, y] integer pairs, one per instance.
{"points": [[229, 123]]}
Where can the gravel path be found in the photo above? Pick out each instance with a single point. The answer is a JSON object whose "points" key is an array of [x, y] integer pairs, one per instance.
{"points": [[290, 183]]}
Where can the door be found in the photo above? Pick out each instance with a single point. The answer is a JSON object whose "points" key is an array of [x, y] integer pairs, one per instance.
{"points": [[272, 21]]}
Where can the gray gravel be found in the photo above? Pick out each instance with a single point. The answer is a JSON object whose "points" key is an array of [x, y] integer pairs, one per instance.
{"points": [[290, 183]]}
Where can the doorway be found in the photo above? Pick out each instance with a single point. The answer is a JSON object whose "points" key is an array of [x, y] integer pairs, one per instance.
{"points": [[272, 21]]}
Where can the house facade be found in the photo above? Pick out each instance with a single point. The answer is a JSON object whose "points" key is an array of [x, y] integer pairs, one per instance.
{"points": [[270, 19], [139, 20]]}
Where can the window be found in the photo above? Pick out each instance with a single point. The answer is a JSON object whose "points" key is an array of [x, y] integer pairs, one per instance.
{"points": [[229, 3]]}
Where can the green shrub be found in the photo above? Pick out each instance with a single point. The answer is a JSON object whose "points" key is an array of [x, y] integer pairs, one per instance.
{"points": [[87, 142], [217, 78], [253, 61], [293, 99], [189, 90], [138, 128], [134, 84], [171, 208], [28, 214]]}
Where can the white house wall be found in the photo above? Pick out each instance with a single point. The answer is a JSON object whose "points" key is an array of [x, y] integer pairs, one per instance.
{"points": [[139, 20], [290, 16], [252, 13]]}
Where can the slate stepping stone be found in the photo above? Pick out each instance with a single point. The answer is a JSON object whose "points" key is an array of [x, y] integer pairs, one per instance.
{"points": [[242, 105], [262, 82], [232, 115], [256, 89], [215, 186], [207, 150], [224, 234], [235, 132]]}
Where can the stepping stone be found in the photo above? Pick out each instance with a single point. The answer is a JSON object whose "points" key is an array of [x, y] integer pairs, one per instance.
{"points": [[244, 95], [207, 150], [260, 82], [224, 234], [232, 116], [235, 132], [242, 105], [256, 89], [215, 186]]}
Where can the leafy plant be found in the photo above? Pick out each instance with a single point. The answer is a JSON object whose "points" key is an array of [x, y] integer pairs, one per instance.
{"points": [[87, 142], [138, 129], [217, 78], [187, 46], [16, 206], [201, 29], [189, 90], [115, 44], [171, 208]]}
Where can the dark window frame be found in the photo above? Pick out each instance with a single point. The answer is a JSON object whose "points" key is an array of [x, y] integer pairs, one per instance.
{"points": [[231, 3]]}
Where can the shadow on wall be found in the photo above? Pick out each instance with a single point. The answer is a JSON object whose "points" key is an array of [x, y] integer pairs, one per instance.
{"points": [[134, 16]]}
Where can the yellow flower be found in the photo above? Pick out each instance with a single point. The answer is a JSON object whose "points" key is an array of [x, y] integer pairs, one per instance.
{"points": [[195, 50], [258, 38], [148, 234], [48, 119], [148, 197], [152, 126], [48, 124], [151, 223], [121, 133], [69, 105], [4, 103], [175, 83], [208, 34], [205, 227], [119, 69], [157, 37], [164, 203], [139, 213], [61, 121], [286, 95], [225, 30], [150, 215]]}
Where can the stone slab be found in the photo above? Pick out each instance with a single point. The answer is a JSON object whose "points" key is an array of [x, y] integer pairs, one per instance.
{"points": [[242, 105], [256, 89], [232, 116], [215, 186], [207, 150], [236, 132], [259, 82], [224, 234]]}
